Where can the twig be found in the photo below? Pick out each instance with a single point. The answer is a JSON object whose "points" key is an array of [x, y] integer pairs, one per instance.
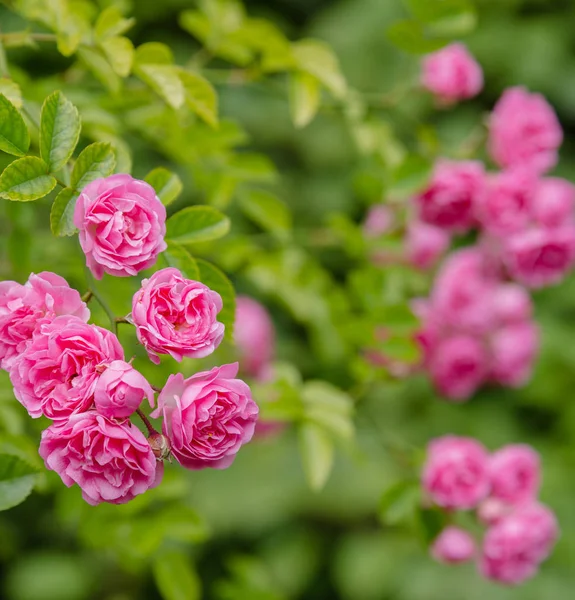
{"points": [[101, 301], [87, 296], [146, 421]]}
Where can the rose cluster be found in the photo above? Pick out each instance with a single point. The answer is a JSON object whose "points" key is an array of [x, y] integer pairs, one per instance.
{"points": [[75, 373], [502, 488]]}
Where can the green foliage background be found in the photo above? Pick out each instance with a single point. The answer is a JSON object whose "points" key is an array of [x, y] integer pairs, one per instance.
{"points": [[256, 531]]}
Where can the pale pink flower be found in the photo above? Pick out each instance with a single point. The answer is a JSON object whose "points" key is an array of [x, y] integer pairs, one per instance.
{"points": [[453, 546], [424, 244], [515, 474], [492, 510], [513, 351], [378, 221], [553, 202], [511, 304]]}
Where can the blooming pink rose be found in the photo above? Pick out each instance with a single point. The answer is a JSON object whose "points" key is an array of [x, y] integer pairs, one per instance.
{"points": [[379, 220], [24, 307], [451, 197], [455, 474], [57, 373], [515, 474], [120, 390], [540, 257], [513, 350], [207, 417], [177, 316], [553, 201], [515, 546], [491, 510], [425, 244], [524, 131], [511, 304], [110, 461], [453, 546], [452, 73], [254, 335], [122, 225]]}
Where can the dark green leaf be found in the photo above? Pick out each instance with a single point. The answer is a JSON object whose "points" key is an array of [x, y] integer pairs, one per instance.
{"points": [[14, 137], [95, 161], [175, 577], [62, 213], [26, 179], [17, 479], [168, 185], [177, 256], [430, 522], [399, 502], [211, 276], [197, 224]]}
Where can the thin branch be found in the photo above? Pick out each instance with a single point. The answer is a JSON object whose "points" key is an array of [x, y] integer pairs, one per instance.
{"points": [[87, 296], [101, 301], [146, 421]]}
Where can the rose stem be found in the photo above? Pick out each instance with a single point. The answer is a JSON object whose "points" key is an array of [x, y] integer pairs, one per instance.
{"points": [[147, 423], [87, 296], [101, 301]]}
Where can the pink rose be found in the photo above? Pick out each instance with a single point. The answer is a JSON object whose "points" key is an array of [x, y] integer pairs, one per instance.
{"points": [[513, 350], [379, 220], [453, 546], [455, 474], [177, 316], [511, 304], [24, 307], [57, 373], [540, 257], [553, 202], [207, 417], [110, 461], [122, 224], [491, 510], [254, 336], [524, 131], [120, 390], [515, 474], [425, 244], [452, 73], [515, 546], [451, 197]]}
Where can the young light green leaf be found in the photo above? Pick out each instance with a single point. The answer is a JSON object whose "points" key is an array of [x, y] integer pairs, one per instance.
{"points": [[164, 80], [26, 179], [197, 224], [17, 479], [200, 96], [154, 53], [177, 256], [168, 185], [119, 51], [318, 59], [62, 213], [11, 90], [304, 98], [410, 36], [14, 136], [59, 131], [175, 577], [97, 63], [267, 211], [399, 502], [317, 452], [112, 23], [95, 161], [211, 276]]}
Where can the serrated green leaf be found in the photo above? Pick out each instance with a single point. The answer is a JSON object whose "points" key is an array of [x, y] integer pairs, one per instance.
{"points": [[26, 179], [59, 131], [95, 161], [197, 224], [168, 185], [267, 211], [119, 51], [112, 23], [399, 502], [411, 37], [317, 453], [11, 90], [177, 256], [201, 97], [318, 59], [17, 479], [175, 577], [216, 280], [14, 136], [97, 63], [62, 213]]}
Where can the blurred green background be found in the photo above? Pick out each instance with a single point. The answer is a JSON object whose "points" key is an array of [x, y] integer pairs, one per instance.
{"points": [[256, 531]]}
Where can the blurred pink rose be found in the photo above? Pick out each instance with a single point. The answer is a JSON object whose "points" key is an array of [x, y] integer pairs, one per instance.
{"points": [[511, 304], [452, 73], [378, 221], [450, 199], [177, 316], [514, 547], [254, 336], [455, 474], [110, 461], [492, 510], [122, 224], [513, 351], [120, 390], [24, 307], [515, 474], [524, 131], [424, 244], [453, 546], [553, 202], [57, 373], [207, 417]]}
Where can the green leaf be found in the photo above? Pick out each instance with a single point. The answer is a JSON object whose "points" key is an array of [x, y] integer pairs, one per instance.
{"points": [[399, 502], [175, 577], [119, 51], [200, 97], [430, 522], [410, 36], [59, 131], [154, 53], [304, 98], [211, 276], [97, 63], [329, 407], [168, 185], [112, 23], [95, 161], [177, 256], [11, 90], [14, 136], [453, 18], [266, 210], [17, 479], [410, 176], [62, 213], [165, 81], [26, 179], [401, 348], [318, 59], [197, 224], [316, 449]]}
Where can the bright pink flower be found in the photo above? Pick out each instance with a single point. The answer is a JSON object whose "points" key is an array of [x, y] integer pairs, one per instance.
{"points": [[553, 202], [254, 335], [57, 373], [455, 474], [515, 474], [24, 307], [207, 417], [379, 220], [515, 546], [120, 390], [453, 546], [524, 131], [425, 244], [177, 316], [491, 510], [122, 224], [451, 197], [452, 73], [511, 304], [513, 351], [110, 461]]}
